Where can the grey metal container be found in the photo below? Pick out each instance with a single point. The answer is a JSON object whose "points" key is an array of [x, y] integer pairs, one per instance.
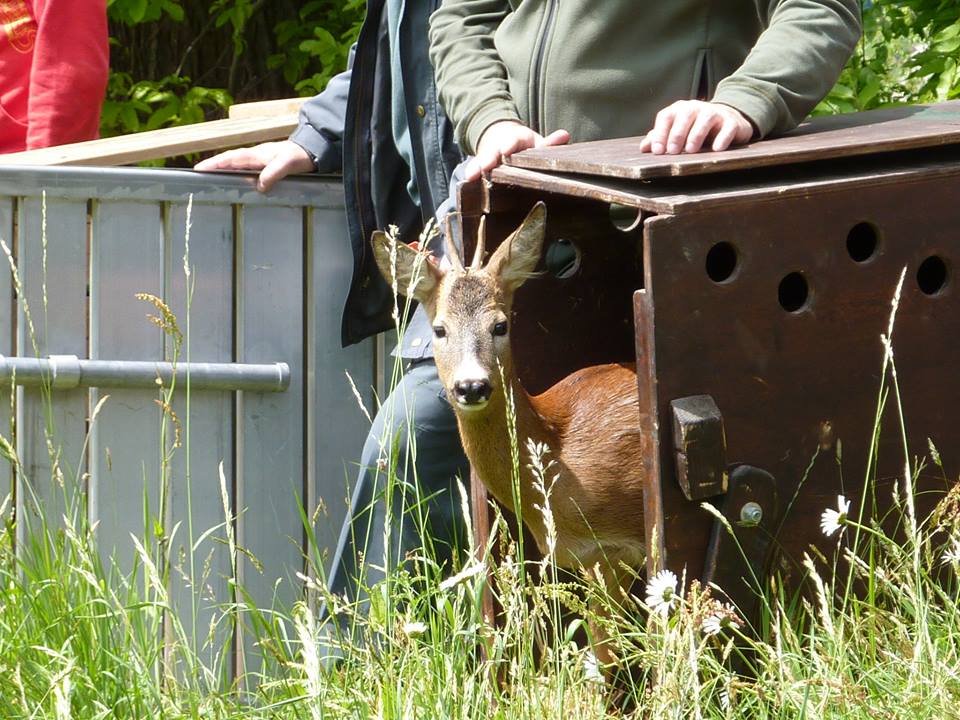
{"points": [[269, 275]]}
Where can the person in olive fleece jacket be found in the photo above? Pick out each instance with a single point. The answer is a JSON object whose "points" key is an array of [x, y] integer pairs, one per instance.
{"points": [[515, 74]]}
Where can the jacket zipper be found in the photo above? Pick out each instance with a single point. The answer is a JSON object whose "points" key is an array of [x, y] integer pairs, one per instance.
{"points": [[536, 110]]}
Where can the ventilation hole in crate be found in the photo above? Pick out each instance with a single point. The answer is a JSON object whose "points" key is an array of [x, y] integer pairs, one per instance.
{"points": [[793, 292], [932, 275], [862, 242], [562, 259], [625, 218], [721, 262]]}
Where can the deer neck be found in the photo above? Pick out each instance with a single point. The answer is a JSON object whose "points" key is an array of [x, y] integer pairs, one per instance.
{"points": [[486, 441]]}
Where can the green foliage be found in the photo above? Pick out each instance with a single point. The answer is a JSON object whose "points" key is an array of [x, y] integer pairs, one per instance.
{"points": [[908, 54], [318, 40], [149, 105], [175, 63], [134, 12]]}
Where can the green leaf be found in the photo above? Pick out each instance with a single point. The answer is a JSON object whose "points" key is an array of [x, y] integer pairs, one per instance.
{"points": [[174, 10], [129, 119], [137, 10], [947, 46], [163, 115]]}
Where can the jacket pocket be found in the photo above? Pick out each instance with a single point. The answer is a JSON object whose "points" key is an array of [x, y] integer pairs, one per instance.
{"points": [[704, 81]]}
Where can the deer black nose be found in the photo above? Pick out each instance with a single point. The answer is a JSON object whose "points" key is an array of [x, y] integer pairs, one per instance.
{"points": [[472, 392]]}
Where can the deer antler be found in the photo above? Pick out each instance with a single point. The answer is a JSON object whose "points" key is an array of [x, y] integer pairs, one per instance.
{"points": [[481, 243], [450, 249]]}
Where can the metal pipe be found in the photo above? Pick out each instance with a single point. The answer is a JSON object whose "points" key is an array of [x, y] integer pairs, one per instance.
{"points": [[63, 372]]}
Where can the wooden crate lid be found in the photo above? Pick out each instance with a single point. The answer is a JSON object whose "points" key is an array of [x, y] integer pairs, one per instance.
{"points": [[839, 136], [693, 194]]}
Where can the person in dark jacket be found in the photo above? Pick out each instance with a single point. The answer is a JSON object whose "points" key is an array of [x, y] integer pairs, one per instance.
{"points": [[380, 125]]}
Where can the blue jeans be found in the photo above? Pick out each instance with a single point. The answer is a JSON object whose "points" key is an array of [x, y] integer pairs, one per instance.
{"points": [[379, 530]]}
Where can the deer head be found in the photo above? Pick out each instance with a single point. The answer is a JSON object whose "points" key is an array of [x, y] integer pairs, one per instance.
{"points": [[469, 307]]}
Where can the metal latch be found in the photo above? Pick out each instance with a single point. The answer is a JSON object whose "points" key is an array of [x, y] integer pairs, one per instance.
{"points": [[700, 446]]}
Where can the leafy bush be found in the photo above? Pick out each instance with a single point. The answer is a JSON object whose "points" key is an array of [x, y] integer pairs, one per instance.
{"points": [[320, 37], [908, 54], [175, 63]]}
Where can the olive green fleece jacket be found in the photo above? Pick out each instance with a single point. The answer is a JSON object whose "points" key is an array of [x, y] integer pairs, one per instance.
{"points": [[604, 68]]}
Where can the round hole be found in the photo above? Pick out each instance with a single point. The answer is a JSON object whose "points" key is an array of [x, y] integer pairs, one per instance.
{"points": [[721, 262], [862, 242], [793, 292], [932, 275], [562, 259], [625, 218]]}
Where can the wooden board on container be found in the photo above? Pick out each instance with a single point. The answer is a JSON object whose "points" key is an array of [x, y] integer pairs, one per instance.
{"points": [[333, 448], [7, 314], [195, 500], [126, 258], [155, 144], [270, 438], [838, 136], [52, 259]]}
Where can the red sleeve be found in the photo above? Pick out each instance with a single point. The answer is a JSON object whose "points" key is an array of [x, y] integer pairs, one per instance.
{"points": [[69, 75]]}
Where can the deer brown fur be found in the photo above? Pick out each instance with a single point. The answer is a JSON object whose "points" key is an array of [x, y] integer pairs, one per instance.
{"points": [[590, 420]]}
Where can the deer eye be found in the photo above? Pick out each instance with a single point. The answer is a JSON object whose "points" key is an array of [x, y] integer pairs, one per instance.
{"points": [[439, 331], [500, 328]]}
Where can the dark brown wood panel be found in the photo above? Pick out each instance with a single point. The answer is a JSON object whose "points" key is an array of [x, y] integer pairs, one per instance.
{"points": [[856, 134], [797, 380]]}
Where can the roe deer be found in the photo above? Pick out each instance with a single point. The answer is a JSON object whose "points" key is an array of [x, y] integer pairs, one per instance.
{"points": [[590, 420]]}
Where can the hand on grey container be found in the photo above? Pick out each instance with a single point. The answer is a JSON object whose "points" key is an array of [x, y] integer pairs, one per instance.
{"points": [[688, 125], [274, 160]]}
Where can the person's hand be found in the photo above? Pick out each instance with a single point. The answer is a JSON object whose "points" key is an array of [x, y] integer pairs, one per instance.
{"points": [[687, 125], [274, 160], [504, 138]]}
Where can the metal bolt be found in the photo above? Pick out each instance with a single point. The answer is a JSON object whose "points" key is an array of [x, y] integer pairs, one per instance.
{"points": [[751, 514]]}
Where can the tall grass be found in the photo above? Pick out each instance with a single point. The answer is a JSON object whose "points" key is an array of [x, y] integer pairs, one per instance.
{"points": [[80, 639]]}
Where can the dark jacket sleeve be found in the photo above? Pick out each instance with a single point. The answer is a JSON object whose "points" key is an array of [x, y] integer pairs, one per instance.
{"points": [[322, 117]]}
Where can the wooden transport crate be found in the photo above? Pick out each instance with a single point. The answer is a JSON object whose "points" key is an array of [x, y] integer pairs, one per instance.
{"points": [[752, 288]]}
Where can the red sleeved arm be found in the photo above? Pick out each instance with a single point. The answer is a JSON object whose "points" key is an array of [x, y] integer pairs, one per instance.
{"points": [[69, 75]]}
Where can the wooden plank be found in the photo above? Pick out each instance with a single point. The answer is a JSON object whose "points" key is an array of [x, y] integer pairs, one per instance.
{"points": [[266, 108], [839, 136], [200, 590], [7, 325], [681, 196], [126, 258], [155, 144], [52, 425], [335, 445], [270, 453]]}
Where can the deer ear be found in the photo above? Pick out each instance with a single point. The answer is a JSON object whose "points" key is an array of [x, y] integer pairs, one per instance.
{"points": [[410, 265], [513, 262]]}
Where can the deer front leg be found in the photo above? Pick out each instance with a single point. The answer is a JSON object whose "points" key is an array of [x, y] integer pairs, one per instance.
{"points": [[615, 581]]}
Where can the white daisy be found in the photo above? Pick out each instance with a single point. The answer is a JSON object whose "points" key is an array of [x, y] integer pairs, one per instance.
{"points": [[952, 556], [832, 520], [591, 668], [662, 592], [724, 618], [414, 628]]}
